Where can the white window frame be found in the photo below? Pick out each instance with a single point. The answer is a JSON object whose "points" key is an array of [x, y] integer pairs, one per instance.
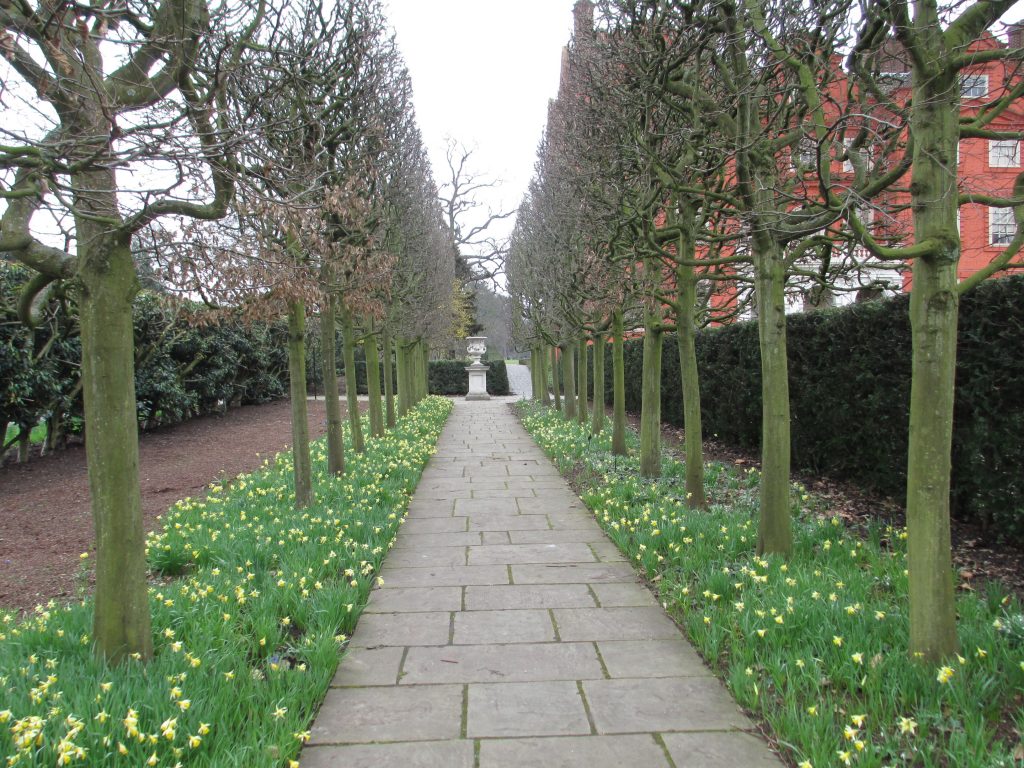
{"points": [[1002, 227], [893, 81], [1004, 153], [807, 152], [973, 86]]}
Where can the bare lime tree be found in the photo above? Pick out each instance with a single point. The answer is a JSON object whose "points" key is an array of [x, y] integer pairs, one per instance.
{"points": [[107, 89], [415, 235], [937, 45]]}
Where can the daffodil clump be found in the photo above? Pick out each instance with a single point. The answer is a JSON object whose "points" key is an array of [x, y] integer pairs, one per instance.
{"points": [[816, 645], [246, 640]]}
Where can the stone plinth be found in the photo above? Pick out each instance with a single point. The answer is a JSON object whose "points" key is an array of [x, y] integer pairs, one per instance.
{"points": [[478, 381]]}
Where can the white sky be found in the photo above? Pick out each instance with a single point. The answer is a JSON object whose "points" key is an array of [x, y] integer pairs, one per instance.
{"points": [[483, 72]]}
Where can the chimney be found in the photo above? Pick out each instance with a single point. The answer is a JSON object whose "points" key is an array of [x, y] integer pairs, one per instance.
{"points": [[1015, 35], [583, 18]]}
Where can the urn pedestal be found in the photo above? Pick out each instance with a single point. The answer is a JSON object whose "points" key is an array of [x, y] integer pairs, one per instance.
{"points": [[476, 346]]}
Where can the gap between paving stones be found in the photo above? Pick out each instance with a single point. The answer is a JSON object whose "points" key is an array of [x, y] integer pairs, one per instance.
{"points": [[510, 631]]}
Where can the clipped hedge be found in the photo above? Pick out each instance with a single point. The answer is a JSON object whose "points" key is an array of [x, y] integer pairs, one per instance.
{"points": [[449, 377], [849, 377]]}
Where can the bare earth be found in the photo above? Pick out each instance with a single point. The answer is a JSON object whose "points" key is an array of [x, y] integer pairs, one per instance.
{"points": [[45, 523]]}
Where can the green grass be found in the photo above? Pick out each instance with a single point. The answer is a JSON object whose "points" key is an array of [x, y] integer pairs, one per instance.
{"points": [[247, 639], [36, 436], [816, 645]]}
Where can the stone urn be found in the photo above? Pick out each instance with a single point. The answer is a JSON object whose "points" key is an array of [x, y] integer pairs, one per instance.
{"points": [[476, 346]]}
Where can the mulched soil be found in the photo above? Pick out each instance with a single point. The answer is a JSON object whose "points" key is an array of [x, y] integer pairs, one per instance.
{"points": [[978, 557], [45, 523]]}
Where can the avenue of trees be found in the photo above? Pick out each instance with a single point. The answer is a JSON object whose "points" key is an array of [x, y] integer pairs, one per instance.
{"points": [[686, 177], [262, 158]]}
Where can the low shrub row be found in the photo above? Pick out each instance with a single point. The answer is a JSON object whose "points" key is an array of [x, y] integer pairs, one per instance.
{"points": [[849, 377], [246, 641], [817, 645]]}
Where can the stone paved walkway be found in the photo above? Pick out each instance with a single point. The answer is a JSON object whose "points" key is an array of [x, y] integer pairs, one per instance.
{"points": [[511, 633]]}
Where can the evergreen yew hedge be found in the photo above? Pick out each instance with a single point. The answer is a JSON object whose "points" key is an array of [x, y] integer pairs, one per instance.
{"points": [[449, 377], [849, 378], [445, 377]]}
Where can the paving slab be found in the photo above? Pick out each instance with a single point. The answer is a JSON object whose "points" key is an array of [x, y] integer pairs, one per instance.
{"points": [[622, 594], [501, 626], [501, 663], [380, 629], [486, 522], [416, 754], [510, 632], [518, 596], [453, 576], [719, 750], [439, 524], [493, 506], [369, 666], [426, 557], [627, 623], [525, 709], [395, 713], [415, 600], [668, 704], [495, 537], [652, 658], [585, 535], [574, 752], [429, 540], [573, 573], [513, 554]]}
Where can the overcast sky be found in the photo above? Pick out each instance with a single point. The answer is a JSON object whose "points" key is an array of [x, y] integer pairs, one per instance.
{"points": [[482, 72]]}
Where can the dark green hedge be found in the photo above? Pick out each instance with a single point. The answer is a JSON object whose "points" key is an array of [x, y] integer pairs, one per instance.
{"points": [[181, 369], [446, 377], [449, 377], [849, 374]]}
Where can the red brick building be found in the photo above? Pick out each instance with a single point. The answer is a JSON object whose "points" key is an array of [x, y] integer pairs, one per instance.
{"points": [[988, 166]]}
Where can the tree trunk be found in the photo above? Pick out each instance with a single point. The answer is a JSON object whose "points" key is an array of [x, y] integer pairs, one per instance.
{"points": [[373, 385], [568, 382], [534, 374], [597, 420], [554, 378], [24, 443], [545, 393], [297, 385], [389, 382], [351, 389], [690, 380], [425, 369], [650, 403], [775, 531], [581, 384], [402, 364], [54, 430], [332, 400], [537, 365], [618, 387], [121, 622], [934, 305]]}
